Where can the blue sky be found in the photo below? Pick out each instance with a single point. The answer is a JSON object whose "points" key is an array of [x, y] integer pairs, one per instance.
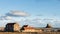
{"points": [[41, 9]]}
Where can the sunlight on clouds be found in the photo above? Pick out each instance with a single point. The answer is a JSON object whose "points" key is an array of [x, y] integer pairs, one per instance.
{"points": [[5, 18], [36, 21], [17, 13]]}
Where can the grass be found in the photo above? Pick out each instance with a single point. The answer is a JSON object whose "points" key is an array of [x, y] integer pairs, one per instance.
{"points": [[29, 33]]}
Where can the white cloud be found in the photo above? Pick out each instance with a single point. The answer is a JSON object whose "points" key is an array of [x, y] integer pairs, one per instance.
{"points": [[17, 13], [5, 18], [8, 18], [35, 21]]}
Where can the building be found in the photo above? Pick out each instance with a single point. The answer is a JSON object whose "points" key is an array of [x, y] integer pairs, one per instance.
{"points": [[27, 28], [48, 28], [11, 27]]}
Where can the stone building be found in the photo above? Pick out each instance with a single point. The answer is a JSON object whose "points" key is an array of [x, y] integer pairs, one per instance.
{"points": [[11, 27], [26, 28], [48, 28]]}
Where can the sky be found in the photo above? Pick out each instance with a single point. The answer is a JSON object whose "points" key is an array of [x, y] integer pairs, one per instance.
{"points": [[36, 13]]}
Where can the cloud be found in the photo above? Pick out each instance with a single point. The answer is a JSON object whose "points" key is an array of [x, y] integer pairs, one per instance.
{"points": [[5, 18], [35, 21], [8, 18], [17, 13]]}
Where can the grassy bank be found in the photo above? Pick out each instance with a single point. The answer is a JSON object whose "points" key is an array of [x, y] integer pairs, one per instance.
{"points": [[29, 33]]}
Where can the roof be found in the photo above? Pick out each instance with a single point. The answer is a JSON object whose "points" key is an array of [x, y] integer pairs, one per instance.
{"points": [[25, 25], [11, 23]]}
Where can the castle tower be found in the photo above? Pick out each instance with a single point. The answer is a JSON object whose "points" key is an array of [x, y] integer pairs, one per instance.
{"points": [[48, 26]]}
